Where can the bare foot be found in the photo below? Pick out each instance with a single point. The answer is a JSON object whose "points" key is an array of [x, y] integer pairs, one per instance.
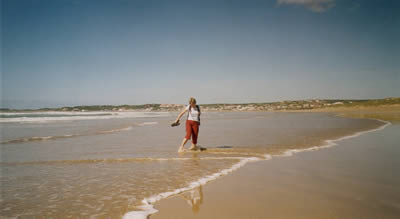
{"points": [[181, 150], [193, 148]]}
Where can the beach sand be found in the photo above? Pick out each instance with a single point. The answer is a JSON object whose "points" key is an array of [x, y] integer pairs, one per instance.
{"points": [[358, 178], [384, 112]]}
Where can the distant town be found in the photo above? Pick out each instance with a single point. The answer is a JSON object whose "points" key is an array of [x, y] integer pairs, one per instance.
{"points": [[272, 106]]}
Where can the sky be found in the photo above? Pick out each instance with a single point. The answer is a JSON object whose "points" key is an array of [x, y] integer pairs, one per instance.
{"points": [[87, 52]]}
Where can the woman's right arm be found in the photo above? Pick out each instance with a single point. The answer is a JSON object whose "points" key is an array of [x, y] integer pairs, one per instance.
{"points": [[181, 114]]}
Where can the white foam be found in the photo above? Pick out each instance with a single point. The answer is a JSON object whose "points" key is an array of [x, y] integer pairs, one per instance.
{"points": [[53, 113], [71, 116], [116, 130], [332, 142], [42, 138], [147, 207], [147, 123]]}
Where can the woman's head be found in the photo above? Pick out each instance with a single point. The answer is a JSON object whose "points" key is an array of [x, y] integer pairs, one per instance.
{"points": [[192, 101]]}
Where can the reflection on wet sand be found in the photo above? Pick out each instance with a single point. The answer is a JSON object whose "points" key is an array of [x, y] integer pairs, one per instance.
{"points": [[194, 198]]}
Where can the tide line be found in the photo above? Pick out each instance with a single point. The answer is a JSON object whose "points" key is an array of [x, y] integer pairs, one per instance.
{"points": [[147, 207], [332, 142], [117, 160]]}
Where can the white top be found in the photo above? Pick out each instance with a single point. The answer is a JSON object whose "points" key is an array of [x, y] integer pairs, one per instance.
{"points": [[193, 114]]}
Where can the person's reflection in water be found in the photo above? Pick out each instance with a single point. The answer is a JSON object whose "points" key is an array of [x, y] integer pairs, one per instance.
{"points": [[194, 198]]}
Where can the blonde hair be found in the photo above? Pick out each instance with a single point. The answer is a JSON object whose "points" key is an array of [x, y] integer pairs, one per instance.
{"points": [[192, 100]]}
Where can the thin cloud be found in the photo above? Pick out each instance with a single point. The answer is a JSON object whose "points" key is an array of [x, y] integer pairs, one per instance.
{"points": [[313, 5]]}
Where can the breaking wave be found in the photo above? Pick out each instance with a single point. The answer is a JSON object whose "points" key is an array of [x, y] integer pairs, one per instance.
{"points": [[43, 117]]}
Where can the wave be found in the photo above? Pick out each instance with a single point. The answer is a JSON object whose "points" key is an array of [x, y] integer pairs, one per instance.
{"points": [[115, 130], [45, 138], [332, 142], [147, 123], [147, 207], [42, 138], [41, 117], [37, 113]]}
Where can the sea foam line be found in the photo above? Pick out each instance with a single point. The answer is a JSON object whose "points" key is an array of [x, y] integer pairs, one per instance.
{"points": [[147, 123], [147, 207], [45, 138], [55, 116], [332, 142]]}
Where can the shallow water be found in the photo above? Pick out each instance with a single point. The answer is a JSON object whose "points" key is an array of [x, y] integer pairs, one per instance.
{"points": [[107, 166]]}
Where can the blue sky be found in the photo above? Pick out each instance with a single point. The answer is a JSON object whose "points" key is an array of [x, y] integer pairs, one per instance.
{"points": [[75, 52]]}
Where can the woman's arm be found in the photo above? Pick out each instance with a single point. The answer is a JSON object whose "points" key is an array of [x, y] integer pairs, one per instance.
{"points": [[181, 114]]}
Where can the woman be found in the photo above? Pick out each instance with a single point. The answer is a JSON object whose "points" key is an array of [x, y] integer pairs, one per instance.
{"points": [[192, 124]]}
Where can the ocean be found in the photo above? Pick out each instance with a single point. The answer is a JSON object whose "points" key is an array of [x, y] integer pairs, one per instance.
{"points": [[117, 164]]}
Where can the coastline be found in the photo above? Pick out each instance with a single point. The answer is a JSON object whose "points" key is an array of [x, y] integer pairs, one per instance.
{"points": [[325, 183], [281, 106], [389, 113], [148, 208]]}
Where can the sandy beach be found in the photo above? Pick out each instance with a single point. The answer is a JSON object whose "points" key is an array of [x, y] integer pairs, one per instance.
{"points": [[355, 179], [384, 112]]}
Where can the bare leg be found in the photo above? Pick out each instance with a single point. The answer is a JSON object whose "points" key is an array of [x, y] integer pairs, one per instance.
{"points": [[181, 148]]}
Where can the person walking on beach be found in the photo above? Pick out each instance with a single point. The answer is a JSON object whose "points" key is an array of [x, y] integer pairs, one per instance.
{"points": [[192, 124]]}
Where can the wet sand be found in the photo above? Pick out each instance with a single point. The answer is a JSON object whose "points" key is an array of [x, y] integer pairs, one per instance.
{"points": [[358, 178]]}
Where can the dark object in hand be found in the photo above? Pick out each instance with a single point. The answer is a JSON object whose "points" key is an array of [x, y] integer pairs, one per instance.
{"points": [[175, 124]]}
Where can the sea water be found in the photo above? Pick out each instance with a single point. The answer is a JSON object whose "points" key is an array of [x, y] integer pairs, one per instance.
{"points": [[115, 164]]}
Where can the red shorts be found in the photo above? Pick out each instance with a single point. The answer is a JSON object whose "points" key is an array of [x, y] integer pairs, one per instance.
{"points": [[192, 129]]}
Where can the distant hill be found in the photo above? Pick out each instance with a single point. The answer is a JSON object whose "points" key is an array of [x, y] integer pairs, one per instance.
{"points": [[271, 106]]}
